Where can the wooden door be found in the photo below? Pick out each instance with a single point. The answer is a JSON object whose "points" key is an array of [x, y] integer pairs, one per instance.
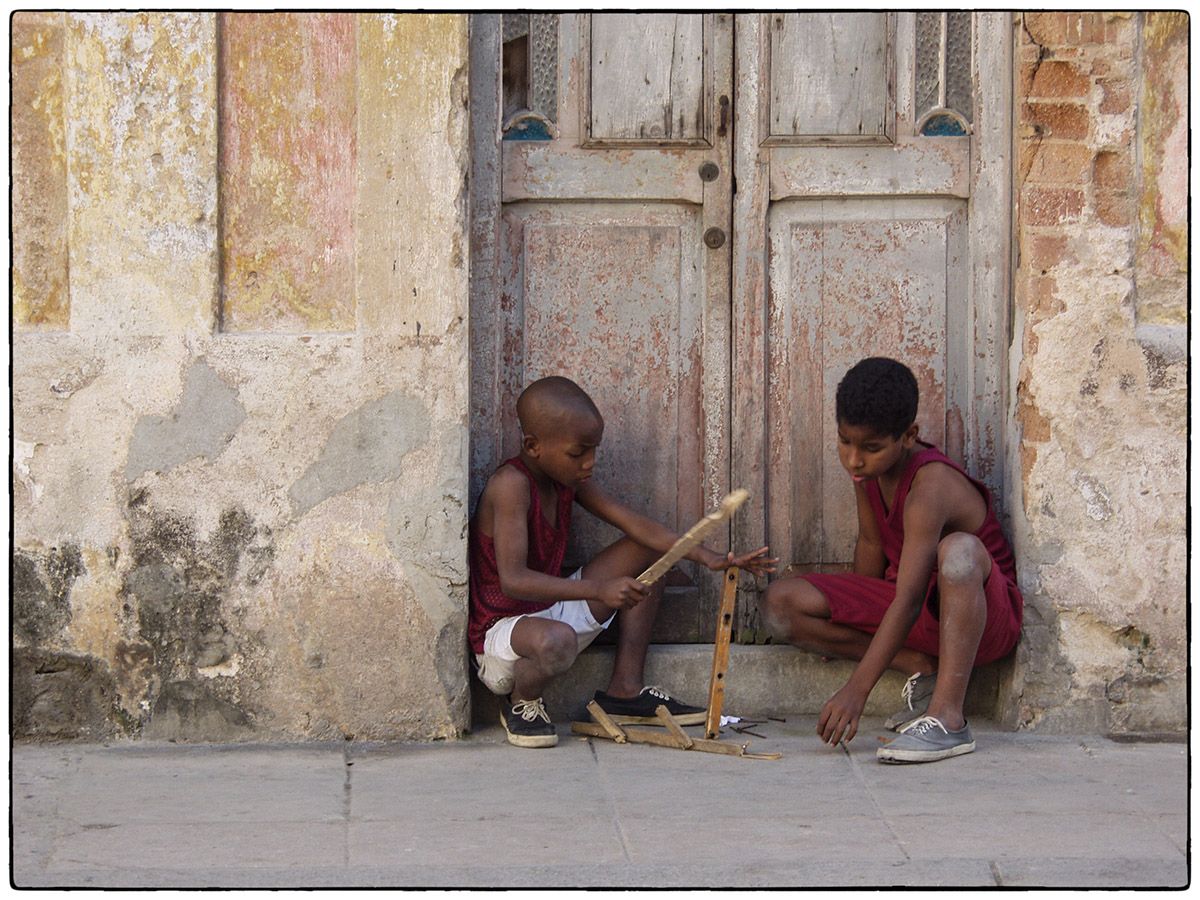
{"points": [[706, 243], [602, 196], [871, 219]]}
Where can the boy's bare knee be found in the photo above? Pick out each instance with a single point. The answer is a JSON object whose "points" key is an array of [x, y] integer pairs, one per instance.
{"points": [[556, 649], [782, 604], [962, 559], [769, 607]]}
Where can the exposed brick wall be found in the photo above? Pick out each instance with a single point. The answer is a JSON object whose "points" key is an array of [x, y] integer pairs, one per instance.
{"points": [[1076, 126], [1100, 405]]}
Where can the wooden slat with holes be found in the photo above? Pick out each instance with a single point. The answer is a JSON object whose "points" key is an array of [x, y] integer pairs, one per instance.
{"points": [[716, 684]]}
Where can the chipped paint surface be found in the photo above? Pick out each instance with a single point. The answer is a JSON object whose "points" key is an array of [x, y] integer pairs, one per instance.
{"points": [[39, 173], [288, 153], [366, 446], [172, 586], [606, 298], [1100, 534], [141, 146], [823, 171], [1162, 251], [207, 416], [849, 283], [412, 160]]}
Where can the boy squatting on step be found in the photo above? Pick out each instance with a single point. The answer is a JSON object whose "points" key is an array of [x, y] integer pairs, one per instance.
{"points": [[526, 624], [933, 591]]}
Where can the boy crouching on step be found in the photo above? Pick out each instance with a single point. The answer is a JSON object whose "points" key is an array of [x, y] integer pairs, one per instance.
{"points": [[933, 592], [526, 623]]}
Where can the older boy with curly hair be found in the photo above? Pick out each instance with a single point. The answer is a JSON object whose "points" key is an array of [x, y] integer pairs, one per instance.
{"points": [[933, 592]]}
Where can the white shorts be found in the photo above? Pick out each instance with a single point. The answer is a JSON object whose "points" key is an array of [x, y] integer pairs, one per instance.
{"points": [[498, 657]]}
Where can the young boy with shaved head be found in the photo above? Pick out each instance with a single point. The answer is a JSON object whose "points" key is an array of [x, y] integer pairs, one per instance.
{"points": [[527, 623], [933, 592]]}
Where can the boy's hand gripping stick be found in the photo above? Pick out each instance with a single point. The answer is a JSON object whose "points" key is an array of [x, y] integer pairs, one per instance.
{"points": [[694, 536]]}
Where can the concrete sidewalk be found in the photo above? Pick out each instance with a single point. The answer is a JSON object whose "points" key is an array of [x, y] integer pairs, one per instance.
{"points": [[1023, 810]]}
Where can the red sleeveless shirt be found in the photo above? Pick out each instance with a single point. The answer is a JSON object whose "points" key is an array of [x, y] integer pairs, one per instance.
{"points": [[547, 547], [891, 522]]}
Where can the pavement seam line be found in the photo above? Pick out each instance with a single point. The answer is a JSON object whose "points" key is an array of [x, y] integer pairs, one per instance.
{"points": [[612, 803], [58, 834], [862, 781], [347, 766]]}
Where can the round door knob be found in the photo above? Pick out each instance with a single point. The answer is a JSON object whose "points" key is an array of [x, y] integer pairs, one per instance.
{"points": [[714, 238], [709, 171]]}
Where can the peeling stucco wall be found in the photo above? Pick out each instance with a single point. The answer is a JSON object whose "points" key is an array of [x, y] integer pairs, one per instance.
{"points": [[1101, 372], [251, 528], [239, 480]]}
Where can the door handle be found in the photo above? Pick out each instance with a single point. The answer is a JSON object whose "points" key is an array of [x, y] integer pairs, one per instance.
{"points": [[723, 118]]}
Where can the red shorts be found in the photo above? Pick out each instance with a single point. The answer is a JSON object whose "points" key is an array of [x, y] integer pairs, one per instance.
{"points": [[860, 602]]}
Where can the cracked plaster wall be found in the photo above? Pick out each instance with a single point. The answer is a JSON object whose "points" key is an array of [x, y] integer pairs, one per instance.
{"points": [[1101, 372], [235, 534], [188, 563]]}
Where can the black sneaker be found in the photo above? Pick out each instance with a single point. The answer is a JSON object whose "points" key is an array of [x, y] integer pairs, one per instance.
{"points": [[527, 724], [640, 709]]}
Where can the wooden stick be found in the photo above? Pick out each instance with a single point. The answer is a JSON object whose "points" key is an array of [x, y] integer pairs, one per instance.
{"points": [[694, 536], [716, 683], [661, 739], [771, 755], [612, 729], [681, 737]]}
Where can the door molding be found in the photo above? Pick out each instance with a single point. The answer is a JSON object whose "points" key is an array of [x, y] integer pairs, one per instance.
{"points": [[485, 32]]}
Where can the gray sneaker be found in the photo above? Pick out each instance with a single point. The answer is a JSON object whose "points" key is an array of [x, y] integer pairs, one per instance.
{"points": [[926, 740], [915, 694]]}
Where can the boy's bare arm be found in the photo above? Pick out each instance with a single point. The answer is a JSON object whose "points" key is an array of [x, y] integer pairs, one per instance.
{"points": [[659, 537], [936, 503], [869, 559], [508, 501], [642, 529], [924, 520]]}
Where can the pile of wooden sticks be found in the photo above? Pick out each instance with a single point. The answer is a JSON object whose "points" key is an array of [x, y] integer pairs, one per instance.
{"points": [[674, 736]]}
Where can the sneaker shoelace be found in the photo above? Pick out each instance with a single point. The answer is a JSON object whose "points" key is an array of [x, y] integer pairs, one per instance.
{"points": [[656, 692], [530, 710], [925, 724], [910, 687]]}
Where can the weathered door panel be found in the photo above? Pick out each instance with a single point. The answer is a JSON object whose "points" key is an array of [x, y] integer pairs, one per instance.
{"points": [[647, 77], [603, 273], [861, 229], [830, 76], [606, 295], [850, 279]]}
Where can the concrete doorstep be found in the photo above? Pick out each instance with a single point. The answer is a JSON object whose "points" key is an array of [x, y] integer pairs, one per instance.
{"points": [[1024, 810], [761, 681]]}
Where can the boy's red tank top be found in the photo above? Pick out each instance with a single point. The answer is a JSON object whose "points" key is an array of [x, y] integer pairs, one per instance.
{"points": [[547, 547], [891, 522]]}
